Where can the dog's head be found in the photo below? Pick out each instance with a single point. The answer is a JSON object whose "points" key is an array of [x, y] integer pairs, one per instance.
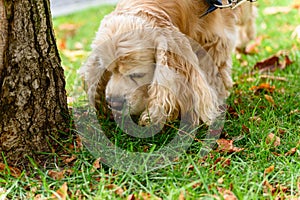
{"points": [[152, 72], [131, 77]]}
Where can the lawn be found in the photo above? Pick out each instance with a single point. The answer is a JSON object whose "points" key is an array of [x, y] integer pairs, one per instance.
{"points": [[262, 123]]}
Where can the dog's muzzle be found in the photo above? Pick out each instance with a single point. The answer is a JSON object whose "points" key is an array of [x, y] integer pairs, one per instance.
{"points": [[116, 103]]}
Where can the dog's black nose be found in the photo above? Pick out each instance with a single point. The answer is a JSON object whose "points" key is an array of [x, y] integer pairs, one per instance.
{"points": [[115, 103]]}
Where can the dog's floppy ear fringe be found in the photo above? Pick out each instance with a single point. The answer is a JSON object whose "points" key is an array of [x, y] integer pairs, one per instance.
{"points": [[96, 77], [179, 85]]}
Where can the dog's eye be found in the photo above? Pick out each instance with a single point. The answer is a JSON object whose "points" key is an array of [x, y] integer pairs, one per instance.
{"points": [[137, 75]]}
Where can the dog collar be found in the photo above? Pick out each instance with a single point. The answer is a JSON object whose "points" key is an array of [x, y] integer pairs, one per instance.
{"points": [[215, 4]]}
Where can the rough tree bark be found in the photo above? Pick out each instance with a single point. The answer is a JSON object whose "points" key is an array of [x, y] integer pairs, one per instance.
{"points": [[33, 102]]}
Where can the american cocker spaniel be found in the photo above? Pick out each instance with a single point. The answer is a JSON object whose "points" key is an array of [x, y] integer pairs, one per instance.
{"points": [[161, 60]]}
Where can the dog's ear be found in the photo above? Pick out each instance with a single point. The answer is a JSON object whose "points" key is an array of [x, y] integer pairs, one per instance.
{"points": [[163, 90], [179, 86], [95, 78]]}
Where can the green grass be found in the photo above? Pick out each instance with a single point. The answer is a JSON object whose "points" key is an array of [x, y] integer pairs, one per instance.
{"points": [[193, 176]]}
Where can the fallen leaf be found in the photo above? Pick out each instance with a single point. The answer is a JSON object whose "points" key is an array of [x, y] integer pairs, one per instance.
{"points": [[79, 142], [227, 194], [225, 162], [70, 159], [296, 4], [269, 170], [279, 61], [61, 193], [15, 172], [264, 87], [56, 175], [276, 191], [191, 167], [232, 112], [131, 197], [268, 188], [270, 99], [291, 152], [181, 196], [227, 146], [245, 129], [255, 119], [273, 139], [118, 190], [281, 131], [96, 165], [196, 185]]}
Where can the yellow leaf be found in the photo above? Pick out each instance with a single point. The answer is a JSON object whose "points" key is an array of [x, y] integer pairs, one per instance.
{"points": [[61, 193], [269, 170], [270, 99]]}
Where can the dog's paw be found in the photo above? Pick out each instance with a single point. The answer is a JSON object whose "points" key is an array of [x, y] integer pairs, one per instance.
{"points": [[145, 119]]}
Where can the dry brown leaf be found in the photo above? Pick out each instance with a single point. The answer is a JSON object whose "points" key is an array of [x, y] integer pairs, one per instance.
{"points": [[79, 142], [279, 61], [61, 192], [278, 191], [255, 119], [227, 146], [269, 170], [196, 185], [270, 99], [227, 194], [273, 139], [131, 197], [56, 175], [245, 129], [70, 159], [291, 152], [182, 195], [96, 165], [15, 172], [225, 162], [267, 187], [118, 190]]}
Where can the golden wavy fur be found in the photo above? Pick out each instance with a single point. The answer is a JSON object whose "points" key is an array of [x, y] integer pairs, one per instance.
{"points": [[145, 58]]}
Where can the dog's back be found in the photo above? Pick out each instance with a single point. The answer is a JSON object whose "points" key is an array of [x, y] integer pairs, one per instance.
{"points": [[186, 15]]}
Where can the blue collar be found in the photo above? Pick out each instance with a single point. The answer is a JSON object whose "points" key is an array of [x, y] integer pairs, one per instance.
{"points": [[213, 5]]}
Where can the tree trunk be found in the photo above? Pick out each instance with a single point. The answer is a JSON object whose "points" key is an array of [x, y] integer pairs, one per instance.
{"points": [[33, 103]]}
